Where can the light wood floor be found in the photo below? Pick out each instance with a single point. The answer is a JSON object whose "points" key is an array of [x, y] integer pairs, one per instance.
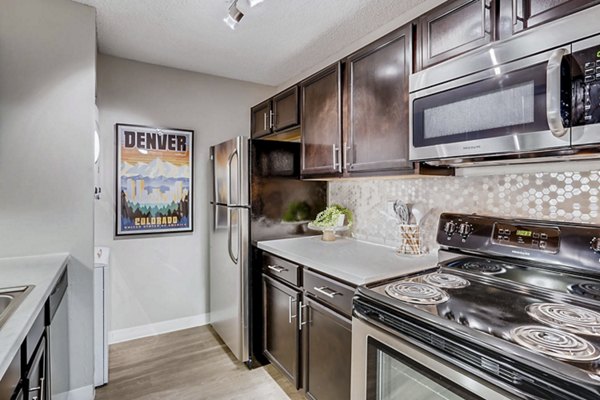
{"points": [[190, 364]]}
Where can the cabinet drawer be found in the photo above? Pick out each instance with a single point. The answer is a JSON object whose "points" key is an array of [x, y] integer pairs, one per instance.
{"points": [[282, 269], [329, 291]]}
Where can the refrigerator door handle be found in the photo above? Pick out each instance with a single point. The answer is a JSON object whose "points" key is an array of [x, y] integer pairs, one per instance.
{"points": [[229, 162], [231, 255]]}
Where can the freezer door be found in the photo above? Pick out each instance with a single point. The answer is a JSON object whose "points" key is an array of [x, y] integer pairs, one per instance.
{"points": [[229, 297], [231, 172]]}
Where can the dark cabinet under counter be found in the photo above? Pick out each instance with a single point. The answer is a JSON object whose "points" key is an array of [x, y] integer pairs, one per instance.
{"points": [[281, 333], [307, 330], [327, 352]]}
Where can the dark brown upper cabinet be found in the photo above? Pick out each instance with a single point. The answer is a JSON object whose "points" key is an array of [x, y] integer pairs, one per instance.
{"points": [[286, 112], [518, 15], [322, 123], [261, 119], [454, 28], [277, 114], [377, 98]]}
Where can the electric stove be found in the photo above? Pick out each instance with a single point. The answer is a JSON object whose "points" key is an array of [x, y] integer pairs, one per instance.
{"points": [[512, 303]]}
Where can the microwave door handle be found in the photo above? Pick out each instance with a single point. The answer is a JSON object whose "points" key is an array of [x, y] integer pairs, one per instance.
{"points": [[553, 79]]}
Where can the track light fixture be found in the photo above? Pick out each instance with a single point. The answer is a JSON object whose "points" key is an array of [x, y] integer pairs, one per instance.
{"points": [[253, 3], [234, 15]]}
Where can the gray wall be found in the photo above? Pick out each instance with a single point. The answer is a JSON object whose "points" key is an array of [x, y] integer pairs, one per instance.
{"points": [[160, 283], [47, 78]]}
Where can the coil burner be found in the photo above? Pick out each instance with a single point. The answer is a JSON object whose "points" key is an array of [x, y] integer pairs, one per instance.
{"points": [[563, 316], [446, 281], [417, 293], [484, 267], [555, 343], [591, 290]]}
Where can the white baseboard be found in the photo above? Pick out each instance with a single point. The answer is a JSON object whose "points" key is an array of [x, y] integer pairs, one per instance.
{"points": [[82, 393], [137, 332]]}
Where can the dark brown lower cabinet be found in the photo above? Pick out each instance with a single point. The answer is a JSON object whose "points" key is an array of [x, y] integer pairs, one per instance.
{"points": [[327, 352], [36, 379], [281, 333]]}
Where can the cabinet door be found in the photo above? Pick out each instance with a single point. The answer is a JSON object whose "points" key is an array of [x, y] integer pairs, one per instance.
{"points": [[321, 123], [281, 334], [262, 119], [518, 15], [454, 28], [327, 352], [285, 109], [536, 12], [36, 379], [377, 87]]}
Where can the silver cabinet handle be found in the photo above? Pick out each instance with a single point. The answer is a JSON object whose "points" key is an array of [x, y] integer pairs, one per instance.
{"points": [[336, 164], [324, 290], [276, 268], [264, 121], [300, 314], [290, 315], [270, 119], [346, 159], [515, 13], [553, 93]]}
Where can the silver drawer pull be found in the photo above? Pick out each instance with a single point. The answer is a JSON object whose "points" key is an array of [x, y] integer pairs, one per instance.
{"points": [[324, 290], [276, 268]]}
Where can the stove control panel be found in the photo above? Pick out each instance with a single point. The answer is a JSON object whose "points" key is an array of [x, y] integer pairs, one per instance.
{"points": [[562, 244], [527, 237]]}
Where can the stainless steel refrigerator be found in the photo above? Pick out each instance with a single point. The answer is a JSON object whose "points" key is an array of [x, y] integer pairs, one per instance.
{"points": [[255, 184], [229, 246]]}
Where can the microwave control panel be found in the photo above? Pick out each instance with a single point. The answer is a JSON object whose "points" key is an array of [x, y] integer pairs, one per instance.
{"points": [[585, 75]]}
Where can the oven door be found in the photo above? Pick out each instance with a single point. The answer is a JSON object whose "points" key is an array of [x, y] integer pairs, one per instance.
{"points": [[514, 108], [385, 367]]}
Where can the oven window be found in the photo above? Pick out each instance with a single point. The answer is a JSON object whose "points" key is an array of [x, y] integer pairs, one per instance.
{"points": [[390, 375]]}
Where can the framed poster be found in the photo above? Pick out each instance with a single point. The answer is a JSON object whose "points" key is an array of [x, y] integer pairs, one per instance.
{"points": [[154, 180]]}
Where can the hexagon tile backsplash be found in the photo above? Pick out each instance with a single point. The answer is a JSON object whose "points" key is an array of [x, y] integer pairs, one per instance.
{"points": [[559, 196]]}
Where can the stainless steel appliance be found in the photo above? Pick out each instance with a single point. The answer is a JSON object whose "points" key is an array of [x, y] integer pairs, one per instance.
{"points": [[535, 94], [229, 246], [512, 311], [255, 184]]}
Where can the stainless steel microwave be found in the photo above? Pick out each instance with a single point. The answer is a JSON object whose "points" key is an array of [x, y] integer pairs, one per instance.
{"points": [[537, 94]]}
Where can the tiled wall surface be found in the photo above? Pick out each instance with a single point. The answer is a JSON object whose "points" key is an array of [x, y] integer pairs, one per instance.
{"points": [[561, 196]]}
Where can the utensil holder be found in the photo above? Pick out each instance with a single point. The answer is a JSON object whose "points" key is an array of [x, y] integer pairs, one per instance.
{"points": [[410, 239]]}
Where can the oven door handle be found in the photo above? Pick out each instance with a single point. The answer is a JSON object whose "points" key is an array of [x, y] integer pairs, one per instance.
{"points": [[553, 79]]}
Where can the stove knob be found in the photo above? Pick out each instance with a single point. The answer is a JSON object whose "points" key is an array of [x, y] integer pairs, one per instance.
{"points": [[449, 228], [465, 229], [595, 244]]}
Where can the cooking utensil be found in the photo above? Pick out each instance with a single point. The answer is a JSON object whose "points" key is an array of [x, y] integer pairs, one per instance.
{"points": [[401, 210]]}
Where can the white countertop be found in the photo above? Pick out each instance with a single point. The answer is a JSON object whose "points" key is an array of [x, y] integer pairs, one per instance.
{"points": [[41, 271], [350, 260]]}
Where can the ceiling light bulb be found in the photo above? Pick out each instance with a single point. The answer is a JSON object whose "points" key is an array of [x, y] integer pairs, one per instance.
{"points": [[254, 3], [234, 16]]}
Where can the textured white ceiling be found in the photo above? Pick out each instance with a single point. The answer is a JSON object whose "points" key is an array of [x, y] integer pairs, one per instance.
{"points": [[275, 41]]}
